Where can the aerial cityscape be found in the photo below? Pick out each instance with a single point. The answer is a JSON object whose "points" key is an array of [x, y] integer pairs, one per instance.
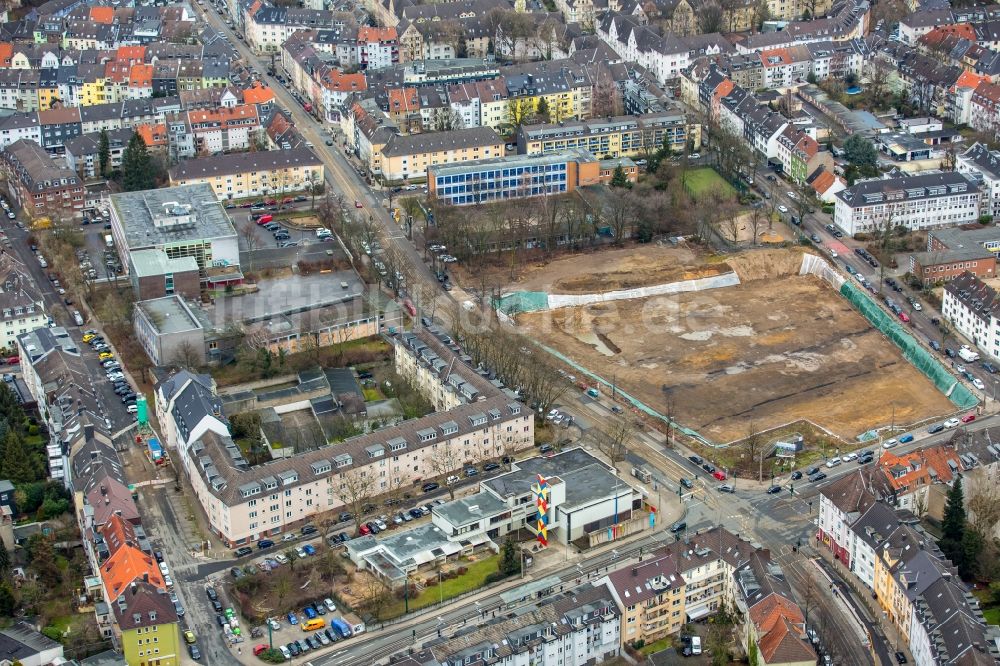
{"points": [[514, 332]]}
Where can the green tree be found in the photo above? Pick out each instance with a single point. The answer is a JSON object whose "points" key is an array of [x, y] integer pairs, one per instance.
{"points": [[619, 179], [43, 560], [971, 546], [16, 463], [752, 656], [510, 558], [4, 563], [542, 110], [7, 601], [104, 153], [138, 171], [953, 524], [861, 153]]}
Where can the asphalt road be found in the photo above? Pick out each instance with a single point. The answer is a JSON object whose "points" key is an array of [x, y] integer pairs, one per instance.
{"points": [[341, 178], [114, 410]]}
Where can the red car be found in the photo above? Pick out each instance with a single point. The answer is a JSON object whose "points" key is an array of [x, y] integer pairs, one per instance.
{"points": [[719, 474], [259, 648], [287, 200], [271, 202], [264, 219], [357, 204], [245, 204], [968, 418], [904, 318], [365, 530]]}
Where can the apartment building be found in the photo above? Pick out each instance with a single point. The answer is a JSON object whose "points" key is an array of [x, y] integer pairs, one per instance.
{"points": [[973, 309], [224, 129], [841, 504], [244, 503], [266, 27], [181, 221], [409, 156], [983, 166], [519, 177], [574, 628], [650, 597], [37, 184], [148, 626], [984, 109], [914, 202], [786, 67], [242, 175], [22, 308], [620, 136]]}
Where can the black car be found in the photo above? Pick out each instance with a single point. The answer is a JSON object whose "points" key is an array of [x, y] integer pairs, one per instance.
{"points": [[489, 467], [989, 367], [430, 487], [812, 470], [686, 483], [331, 634], [774, 490], [416, 513], [158, 555], [373, 527], [216, 605], [936, 428], [708, 467], [695, 459], [900, 657], [312, 643], [243, 552], [264, 543], [679, 526], [293, 647], [344, 517], [195, 652], [308, 529], [864, 460], [796, 475], [212, 594], [818, 476], [545, 448], [236, 573], [220, 619]]}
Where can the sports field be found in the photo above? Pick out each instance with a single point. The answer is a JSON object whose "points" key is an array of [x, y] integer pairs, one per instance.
{"points": [[706, 180]]}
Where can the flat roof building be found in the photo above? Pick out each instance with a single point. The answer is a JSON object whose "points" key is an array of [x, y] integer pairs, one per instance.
{"points": [[182, 221], [170, 331]]}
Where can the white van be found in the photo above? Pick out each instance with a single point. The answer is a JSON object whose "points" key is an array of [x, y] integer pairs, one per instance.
{"points": [[695, 645]]}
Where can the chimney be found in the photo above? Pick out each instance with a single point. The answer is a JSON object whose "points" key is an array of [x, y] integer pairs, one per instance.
{"points": [[145, 579], [104, 489], [132, 586]]}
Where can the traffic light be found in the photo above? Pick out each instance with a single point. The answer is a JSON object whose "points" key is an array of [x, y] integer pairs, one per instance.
{"points": [[791, 489]]}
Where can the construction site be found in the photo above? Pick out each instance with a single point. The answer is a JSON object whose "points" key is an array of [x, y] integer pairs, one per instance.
{"points": [[740, 340]]}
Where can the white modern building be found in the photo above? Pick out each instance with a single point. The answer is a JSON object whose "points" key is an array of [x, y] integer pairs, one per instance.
{"points": [[915, 202]]}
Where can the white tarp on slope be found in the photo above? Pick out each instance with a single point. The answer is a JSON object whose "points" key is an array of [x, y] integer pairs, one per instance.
{"points": [[701, 284], [821, 268]]}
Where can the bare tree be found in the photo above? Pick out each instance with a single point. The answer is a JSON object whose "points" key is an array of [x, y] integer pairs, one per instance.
{"points": [[756, 220], [615, 437], [356, 490], [711, 18], [753, 449], [376, 595], [248, 234], [442, 461], [186, 355], [878, 72], [730, 223]]}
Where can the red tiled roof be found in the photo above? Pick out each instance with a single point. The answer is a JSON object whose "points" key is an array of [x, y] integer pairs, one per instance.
{"points": [[6, 53], [105, 15], [370, 34], [153, 135], [919, 468], [823, 182], [784, 645], [127, 565], [257, 94], [117, 533], [131, 53]]}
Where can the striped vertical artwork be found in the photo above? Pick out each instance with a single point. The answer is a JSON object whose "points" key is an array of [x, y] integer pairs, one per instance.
{"points": [[541, 492]]}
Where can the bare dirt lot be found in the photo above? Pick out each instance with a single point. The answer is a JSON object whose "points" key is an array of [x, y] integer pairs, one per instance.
{"points": [[777, 348], [625, 268]]}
